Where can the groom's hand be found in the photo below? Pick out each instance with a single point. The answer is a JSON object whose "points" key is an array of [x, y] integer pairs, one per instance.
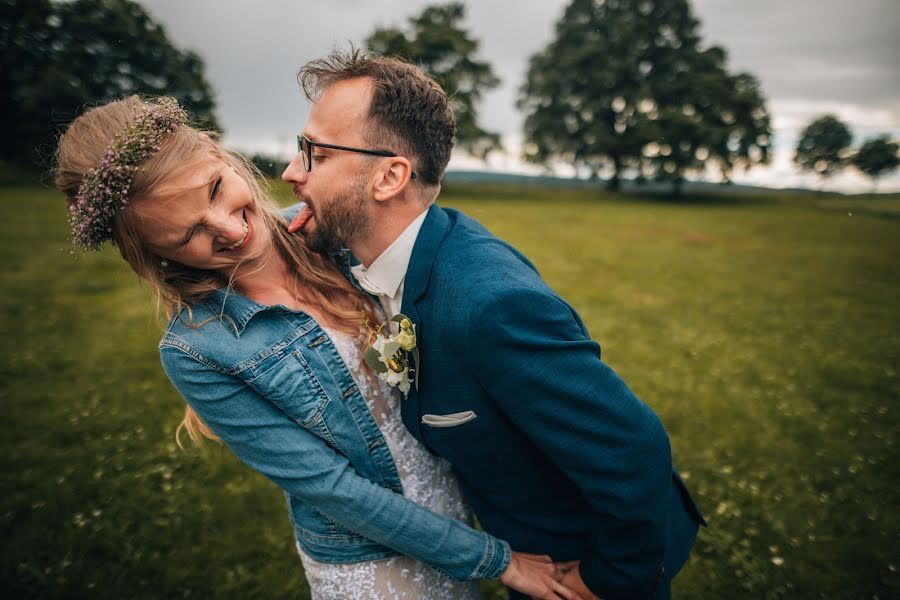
{"points": [[572, 580], [539, 577]]}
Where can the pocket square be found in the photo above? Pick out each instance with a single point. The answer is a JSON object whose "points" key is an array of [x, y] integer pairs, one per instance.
{"points": [[451, 420]]}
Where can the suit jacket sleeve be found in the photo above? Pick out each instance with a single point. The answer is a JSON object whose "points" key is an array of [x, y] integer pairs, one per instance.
{"points": [[536, 361]]}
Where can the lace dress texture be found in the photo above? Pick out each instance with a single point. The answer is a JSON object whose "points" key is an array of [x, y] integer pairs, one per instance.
{"points": [[427, 480]]}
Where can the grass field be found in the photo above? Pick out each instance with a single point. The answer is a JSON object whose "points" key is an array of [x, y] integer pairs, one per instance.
{"points": [[765, 331]]}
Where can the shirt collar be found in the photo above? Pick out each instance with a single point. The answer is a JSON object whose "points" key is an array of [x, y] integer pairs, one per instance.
{"points": [[386, 273]]}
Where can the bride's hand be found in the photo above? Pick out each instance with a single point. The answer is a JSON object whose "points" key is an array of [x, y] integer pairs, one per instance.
{"points": [[537, 576]]}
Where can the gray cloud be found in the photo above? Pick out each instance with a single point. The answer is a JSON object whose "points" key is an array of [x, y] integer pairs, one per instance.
{"points": [[813, 49]]}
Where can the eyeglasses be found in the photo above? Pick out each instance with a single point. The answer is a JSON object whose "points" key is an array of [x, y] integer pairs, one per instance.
{"points": [[305, 147]]}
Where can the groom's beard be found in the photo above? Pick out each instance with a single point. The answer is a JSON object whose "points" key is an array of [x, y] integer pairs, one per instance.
{"points": [[341, 219]]}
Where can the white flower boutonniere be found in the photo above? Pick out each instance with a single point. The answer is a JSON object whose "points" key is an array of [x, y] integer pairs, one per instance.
{"points": [[394, 355]]}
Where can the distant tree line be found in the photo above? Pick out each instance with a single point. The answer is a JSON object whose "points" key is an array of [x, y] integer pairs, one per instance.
{"points": [[57, 57], [624, 88], [269, 165], [824, 148]]}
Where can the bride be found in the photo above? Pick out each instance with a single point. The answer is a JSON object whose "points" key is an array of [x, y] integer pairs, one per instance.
{"points": [[266, 345]]}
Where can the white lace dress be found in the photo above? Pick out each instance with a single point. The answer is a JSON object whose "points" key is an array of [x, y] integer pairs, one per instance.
{"points": [[427, 480]]}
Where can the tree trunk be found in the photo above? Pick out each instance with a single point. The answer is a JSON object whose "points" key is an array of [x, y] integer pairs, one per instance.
{"points": [[614, 182]]}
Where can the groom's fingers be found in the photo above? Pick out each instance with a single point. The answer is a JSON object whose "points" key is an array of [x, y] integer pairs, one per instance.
{"points": [[538, 576], [557, 591], [564, 592], [565, 567]]}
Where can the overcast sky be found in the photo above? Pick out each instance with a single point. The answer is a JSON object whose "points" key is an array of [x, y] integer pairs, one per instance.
{"points": [[811, 57]]}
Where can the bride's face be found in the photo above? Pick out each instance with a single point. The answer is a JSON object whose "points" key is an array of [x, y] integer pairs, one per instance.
{"points": [[204, 218]]}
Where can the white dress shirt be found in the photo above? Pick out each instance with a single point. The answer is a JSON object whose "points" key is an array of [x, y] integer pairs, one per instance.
{"points": [[385, 276]]}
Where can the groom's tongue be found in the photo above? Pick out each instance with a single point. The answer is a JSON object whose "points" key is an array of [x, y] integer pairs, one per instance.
{"points": [[300, 220]]}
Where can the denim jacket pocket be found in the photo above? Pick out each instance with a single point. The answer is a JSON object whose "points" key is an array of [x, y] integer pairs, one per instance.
{"points": [[292, 385]]}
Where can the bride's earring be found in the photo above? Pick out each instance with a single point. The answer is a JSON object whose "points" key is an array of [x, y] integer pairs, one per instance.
{"points": [[163, 263]]}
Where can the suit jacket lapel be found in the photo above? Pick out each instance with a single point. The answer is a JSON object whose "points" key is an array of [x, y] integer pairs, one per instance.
{"points": [[431, 235], [415, 285]]}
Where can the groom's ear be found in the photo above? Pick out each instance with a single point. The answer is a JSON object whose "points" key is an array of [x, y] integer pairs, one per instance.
{"points": [[392, 179]]}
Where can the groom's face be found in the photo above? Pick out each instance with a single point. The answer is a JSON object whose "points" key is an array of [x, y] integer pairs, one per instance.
{"points": [[337, 188]]}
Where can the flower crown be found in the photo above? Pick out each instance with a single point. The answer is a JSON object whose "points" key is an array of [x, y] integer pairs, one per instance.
{"points": [[104, 190]]}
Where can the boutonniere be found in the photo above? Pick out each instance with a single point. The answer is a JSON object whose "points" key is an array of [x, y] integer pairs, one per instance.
{"points": [[393, 355]]}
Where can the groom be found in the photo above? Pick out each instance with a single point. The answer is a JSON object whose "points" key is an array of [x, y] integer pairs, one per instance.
{"points": [[554, 452]]}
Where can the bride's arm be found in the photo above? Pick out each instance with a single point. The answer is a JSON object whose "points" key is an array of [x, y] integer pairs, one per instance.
{"points": [[301, 463]]}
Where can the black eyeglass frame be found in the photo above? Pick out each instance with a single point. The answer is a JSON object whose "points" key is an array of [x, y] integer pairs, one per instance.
{"points": [[307, 154]]}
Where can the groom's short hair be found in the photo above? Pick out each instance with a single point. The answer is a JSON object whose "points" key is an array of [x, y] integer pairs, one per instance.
{"points": [[410, 113]]}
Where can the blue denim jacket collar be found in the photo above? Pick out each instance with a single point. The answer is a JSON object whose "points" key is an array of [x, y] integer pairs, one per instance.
{"points": [[234, 308], [237, 309]]}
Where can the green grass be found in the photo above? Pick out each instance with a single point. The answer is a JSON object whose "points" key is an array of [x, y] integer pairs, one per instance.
{"points": [[764, 330]]}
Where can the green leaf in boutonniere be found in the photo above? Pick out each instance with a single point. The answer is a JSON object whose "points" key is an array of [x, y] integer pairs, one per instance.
{"points": [[373, 359]]}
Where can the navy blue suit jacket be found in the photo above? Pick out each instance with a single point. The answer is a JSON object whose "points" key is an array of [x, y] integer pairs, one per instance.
{"points": [[561, 457]]}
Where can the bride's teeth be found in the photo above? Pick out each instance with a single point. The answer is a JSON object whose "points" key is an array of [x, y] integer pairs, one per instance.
{"points": [[246, 227]]}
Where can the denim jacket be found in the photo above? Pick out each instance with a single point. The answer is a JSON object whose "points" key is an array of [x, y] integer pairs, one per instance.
{"points": [[269, 382]]}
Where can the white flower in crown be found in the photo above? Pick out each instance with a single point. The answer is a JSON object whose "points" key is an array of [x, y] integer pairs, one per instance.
{"points": [[394, 356]]}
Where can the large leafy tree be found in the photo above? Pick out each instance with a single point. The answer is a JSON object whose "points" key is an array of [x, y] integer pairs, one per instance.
{"points": [[877, 157], [26, 36], [708, 116], [626, 84], [437, 42], [59, 57], [824, 146]]}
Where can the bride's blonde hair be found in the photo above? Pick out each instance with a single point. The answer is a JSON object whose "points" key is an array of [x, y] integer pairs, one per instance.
{"points": [[177, 287]]}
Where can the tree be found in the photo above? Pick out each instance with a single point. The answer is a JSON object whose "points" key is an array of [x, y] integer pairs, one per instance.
{"points": [[25, 38], [877, 157], [708, 116], [269, 165], [626, 84], [437, 43], [824, 146], [61, 56]]}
